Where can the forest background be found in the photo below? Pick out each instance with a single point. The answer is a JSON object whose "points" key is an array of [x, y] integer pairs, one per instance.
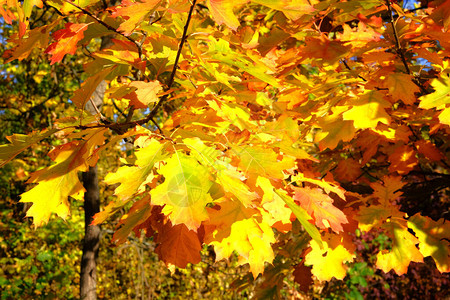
{"points": [[324, 123]]}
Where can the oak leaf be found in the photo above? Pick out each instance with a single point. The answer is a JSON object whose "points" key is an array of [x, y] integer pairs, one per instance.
{"points": [[88, 87], [66, 41], [434, 239], [403, 250], [368, 110], [133, 179], [329, 261], [138, 213], [134, 13], [320, 207], [177, 245], [20, 142], [184, 192]]}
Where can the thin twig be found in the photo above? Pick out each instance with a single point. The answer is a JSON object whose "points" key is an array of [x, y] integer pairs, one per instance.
{"points": [[175, 66], [121, 127], [118, 108], [109, 27], [348, 67], [398, 46]]}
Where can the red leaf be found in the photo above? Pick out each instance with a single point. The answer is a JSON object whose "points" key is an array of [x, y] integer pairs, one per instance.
{"points": [[66, 41]]}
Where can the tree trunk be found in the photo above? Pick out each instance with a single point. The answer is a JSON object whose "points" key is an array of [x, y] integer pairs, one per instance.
{"points": [[88, 273], [91, 243]]}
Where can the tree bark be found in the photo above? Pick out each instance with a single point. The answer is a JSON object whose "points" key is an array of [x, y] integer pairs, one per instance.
{"points": [[91, 243]]}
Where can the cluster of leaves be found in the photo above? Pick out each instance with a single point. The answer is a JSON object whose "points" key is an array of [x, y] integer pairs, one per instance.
{"points": [[279, 128]]}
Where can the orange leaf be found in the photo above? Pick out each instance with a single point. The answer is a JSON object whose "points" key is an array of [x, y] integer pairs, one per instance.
{"points": [[134, 13], [178, 245], [146, 93], [403, 159], [401, 87], [139, 213], [88, 87], [320, 207], [222, 11], [429, 150], [66, 41]]}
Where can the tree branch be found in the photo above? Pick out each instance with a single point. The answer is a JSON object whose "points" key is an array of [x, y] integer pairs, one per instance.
{"points": [[175, 66], [398, 47]]}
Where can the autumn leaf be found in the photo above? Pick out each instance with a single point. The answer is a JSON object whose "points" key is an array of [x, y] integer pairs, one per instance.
{"points": [[84, 93], [441, 95], [434, 239], [320, 207], [59, 181], [50, 196], [138, 213], [403, 250], [134, 13], [146, 93], [401, 87], [240, 232], [184, 192], [177, 245], [334, 130], [329, 261], [256, 161], [273, 203], [20, 142], [322, 48], [293, 9], [403, 159], [368, 110], [36, 38], [302, 216], [222, 12], [133, 179], [66, 41]]}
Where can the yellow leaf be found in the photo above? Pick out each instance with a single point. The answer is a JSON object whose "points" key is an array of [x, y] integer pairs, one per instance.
{"points": [[440, 97], [184, 192], [329, 261], [434, 239], [368, 111], [273, 203], [238, 230], [255, 161], [20, 142], [133, 179], [403, 250], [50, 196]]}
